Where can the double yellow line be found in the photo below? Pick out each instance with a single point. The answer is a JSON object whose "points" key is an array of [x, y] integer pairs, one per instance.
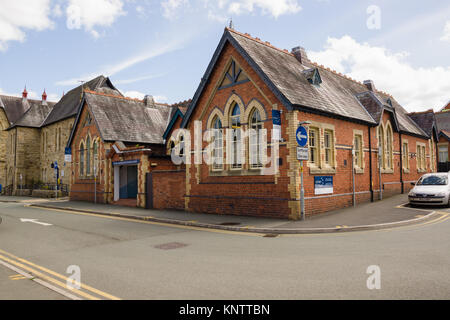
{"points": [[51, 277]]}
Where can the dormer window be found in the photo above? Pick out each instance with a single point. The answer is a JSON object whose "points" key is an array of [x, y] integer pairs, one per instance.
{"points": [[313, 76]]}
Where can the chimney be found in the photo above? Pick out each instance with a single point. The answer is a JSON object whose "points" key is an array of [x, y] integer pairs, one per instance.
{"points": [[24, 93], [300, 54], [44, 98], [370, 85], [148, 100]]}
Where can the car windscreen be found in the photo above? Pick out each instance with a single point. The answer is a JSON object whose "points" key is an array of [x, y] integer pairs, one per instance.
{"points": [[432, 181]]}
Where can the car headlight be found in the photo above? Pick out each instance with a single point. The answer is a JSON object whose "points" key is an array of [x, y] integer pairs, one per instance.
{"points": [[441, 194], [412, 194]]}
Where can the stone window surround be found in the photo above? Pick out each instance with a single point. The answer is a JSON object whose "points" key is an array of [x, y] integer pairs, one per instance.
{"points": [[360, 169], [405, 165], [443, 144], [423, 156], [89, 149], [321, 167], [385, 127], [245, 113]]}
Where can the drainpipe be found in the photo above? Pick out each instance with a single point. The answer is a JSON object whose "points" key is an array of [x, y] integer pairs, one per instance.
{"points": [[370, 165], [401, 162]]}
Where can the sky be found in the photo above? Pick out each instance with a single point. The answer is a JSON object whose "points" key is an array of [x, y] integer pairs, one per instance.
{"points": [[163, 47]]}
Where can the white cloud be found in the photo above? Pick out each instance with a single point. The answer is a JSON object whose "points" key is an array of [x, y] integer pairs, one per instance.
{"points": [[221, 10], [133, 80], [170, 7], [274, 8], [417, 89], [446, 35], [17, 15], [157, 49], [90, 14], [140, 96]]}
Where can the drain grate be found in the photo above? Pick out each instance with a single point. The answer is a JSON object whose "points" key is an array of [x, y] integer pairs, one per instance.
{"points": [[271, 235], [229, 224], [170, 245]]}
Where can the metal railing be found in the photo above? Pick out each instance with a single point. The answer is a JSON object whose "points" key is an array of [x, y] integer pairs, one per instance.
{"points": [[64, 188]]}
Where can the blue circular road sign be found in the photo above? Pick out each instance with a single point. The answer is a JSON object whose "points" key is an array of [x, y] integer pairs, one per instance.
{"points": [[302, 136]]}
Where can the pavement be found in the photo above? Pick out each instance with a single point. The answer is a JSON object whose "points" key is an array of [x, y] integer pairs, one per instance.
{"points": [[388, 213]]}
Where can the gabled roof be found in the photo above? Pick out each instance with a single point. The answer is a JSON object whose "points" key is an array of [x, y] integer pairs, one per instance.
{"points": [[179, 110], [337, 95], [425, 120], [14, 107], [443, 121], [125, 119], [69, 104], [35, 115]]}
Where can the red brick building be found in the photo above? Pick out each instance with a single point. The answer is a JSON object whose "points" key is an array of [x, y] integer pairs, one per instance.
{"points": [[118, 153], [247, 84]]}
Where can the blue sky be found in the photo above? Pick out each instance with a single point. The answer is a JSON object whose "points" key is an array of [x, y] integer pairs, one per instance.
{"points": [[163, 47]]}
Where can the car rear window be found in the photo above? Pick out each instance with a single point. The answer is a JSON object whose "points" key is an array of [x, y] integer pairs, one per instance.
{"points": [[433, 181]]}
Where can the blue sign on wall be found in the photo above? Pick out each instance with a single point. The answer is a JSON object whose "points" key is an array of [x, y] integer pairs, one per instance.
{"points": [[323, 184], [302, 136], [276, 117]]}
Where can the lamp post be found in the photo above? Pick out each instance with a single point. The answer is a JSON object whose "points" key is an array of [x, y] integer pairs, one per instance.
{"points": [[302, 188]]}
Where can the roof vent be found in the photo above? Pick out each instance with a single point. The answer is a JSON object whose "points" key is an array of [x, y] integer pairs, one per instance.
{"points": [[313, 76], [300, 54], [370, 85], [148, 100]]}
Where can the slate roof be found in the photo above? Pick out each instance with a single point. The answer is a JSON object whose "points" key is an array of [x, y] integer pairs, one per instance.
{"points": [[69, 104], [425, 120], [35, 115], [128, 120], [14, 107], [442, 121], [337, 95]]}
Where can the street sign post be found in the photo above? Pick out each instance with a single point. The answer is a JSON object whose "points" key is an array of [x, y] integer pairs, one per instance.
{"points": [[301, 135]]}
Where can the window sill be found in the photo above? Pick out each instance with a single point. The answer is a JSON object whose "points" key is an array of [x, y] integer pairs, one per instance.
{"points": [[325, 170], [236, 172], [359, 170], [389, 171], [406, 170], [421, 170]]}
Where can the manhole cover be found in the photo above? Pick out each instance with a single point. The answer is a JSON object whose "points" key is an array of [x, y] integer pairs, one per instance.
{"points": [[170, 245], [229, 224]]}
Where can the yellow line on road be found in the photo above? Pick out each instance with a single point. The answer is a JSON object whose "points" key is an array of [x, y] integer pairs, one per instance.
{"points": [[82, 286], [17, 277]]}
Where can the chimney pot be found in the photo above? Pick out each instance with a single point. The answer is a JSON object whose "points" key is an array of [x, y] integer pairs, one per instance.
{"points": [[369, 85], [148, 100], [300, 54], [25, 93], [44, 97]]}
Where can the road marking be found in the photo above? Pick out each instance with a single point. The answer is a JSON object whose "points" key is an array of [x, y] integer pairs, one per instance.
{"points": [[36, 222], [39, 281], [45, 277], [17, 277]]}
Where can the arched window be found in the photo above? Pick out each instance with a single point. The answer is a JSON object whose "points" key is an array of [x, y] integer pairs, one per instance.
{"points": [[235, 120], [217, 152], [382, 154], [88, 156], [389, 147], [170, 147], [95, 155], [82, 159], [255, 138], [181, 143]]}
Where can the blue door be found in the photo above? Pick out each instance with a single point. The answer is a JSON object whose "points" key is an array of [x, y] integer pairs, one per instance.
{"points": [[132, 182]]}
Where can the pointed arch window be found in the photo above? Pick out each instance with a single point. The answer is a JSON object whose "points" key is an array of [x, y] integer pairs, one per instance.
{"points": [[95, 155], [255, 138], [88, 156], [389, 159], [236, 143], [382, 153], [217, 152], [82, 159]]}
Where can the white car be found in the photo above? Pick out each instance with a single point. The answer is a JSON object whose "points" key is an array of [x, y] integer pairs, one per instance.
{"points": [[431, 189]]}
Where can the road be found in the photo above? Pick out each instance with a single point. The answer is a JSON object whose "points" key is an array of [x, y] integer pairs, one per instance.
{"points": [[121, 259]]}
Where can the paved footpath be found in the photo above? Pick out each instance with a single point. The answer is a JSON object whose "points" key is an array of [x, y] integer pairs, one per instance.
{"points": [[377, 215]]}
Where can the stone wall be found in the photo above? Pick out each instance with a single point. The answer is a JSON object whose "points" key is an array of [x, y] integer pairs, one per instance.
{"points": [[4, 124]]}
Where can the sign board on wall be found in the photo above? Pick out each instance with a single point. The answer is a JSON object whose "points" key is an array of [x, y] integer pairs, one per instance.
{"points": [[276, 121], [323, 185]]}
